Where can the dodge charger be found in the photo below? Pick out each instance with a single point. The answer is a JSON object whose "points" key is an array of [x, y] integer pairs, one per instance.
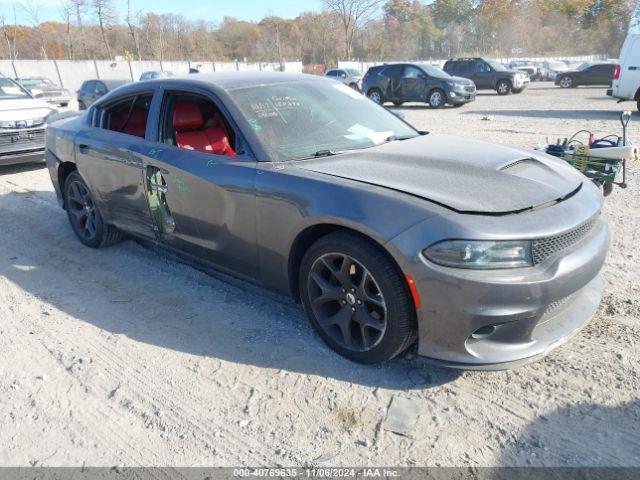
{"points": [[486, 256]]}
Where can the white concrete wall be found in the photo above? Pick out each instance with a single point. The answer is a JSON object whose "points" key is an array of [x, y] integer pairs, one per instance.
{"points": [[71, 74]]}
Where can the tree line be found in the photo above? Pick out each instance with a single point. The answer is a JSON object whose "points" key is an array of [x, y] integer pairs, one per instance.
{"points": [[366, 30]]}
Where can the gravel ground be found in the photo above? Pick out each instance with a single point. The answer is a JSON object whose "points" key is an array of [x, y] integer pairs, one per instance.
{"points": [[124, 357]]}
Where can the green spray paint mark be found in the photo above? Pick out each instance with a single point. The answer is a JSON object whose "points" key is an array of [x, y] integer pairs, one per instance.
{"points": [[182, 186], [254, 123], [154, 153], [211, 163]]}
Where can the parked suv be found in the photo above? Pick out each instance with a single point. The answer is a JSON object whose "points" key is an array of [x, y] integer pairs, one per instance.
{"points": [[488, 74], [416, 82], [92, 90], [626, 77], [348, 76]]}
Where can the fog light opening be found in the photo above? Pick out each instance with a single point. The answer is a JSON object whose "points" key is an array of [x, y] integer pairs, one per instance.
{"points": [[483, 332]]}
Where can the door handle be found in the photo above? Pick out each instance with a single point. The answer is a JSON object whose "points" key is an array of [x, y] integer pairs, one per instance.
{"points": [[158, 188], [83, 148]]}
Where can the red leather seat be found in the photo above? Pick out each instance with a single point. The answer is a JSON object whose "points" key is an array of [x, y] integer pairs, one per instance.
{"points": [[190, 133], [136, 125]]}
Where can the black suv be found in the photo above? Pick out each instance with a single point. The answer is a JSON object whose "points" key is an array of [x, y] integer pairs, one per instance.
{"points": [[416, 82], [92, 90], [488, 74]]}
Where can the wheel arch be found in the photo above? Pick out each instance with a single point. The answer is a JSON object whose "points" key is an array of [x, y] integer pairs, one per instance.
{"points": [[313, 233], [64, 170], [637, 95]]}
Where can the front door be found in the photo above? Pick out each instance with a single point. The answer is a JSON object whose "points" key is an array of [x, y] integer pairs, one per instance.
{"points": [[413, 85], [202, 202]]}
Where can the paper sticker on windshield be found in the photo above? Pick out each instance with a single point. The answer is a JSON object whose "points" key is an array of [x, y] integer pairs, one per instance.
{"points": [[12, 90], [348, 91], [360, 132]]}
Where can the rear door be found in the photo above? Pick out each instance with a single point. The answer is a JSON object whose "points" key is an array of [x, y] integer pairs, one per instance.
{"points": [[202, 204], [629, 82], [109, 161], [393, 75], [413, 84]]}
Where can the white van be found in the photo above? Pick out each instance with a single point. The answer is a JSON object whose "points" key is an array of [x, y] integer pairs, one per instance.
{"points": [[626, 79]]}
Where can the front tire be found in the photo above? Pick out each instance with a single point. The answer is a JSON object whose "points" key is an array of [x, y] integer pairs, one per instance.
{"points": [[81, 105], [357, 299], [437, 98], [503, 87], [376, 95], [84, 215]]}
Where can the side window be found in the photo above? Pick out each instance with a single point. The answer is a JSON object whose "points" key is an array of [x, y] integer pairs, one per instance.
{"points": [[480, 67], [128, 116], [412, 72], [464, 68], [194, 122], [394, 72], [332, 73], [342, 74]]}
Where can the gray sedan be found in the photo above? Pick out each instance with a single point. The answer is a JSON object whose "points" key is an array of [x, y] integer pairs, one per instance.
{"points": [[486, 256]]}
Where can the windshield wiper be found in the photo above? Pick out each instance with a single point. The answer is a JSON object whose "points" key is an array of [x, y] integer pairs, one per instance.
{"points": [[320, 154], [395, 138]]}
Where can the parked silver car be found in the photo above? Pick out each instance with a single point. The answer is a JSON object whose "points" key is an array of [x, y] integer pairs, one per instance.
{"points": [[45, 89], [348, 76], [22, 124]]}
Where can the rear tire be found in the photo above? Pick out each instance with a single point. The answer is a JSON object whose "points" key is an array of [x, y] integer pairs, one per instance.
{"points": [[503, 87], [85, 217], [81, 105], [356, 298]]}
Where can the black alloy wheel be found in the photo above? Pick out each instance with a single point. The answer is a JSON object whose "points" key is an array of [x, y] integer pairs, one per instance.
{"points": [[357, 299]]}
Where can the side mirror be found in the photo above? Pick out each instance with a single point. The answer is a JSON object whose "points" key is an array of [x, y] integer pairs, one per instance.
{"points": [[344, 75]]}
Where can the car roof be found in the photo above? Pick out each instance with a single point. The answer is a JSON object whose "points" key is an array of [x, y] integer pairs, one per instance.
{"points": [[234, 80]]}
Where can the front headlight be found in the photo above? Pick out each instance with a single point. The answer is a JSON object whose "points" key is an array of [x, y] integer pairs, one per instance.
{"points": [[481, 254]]}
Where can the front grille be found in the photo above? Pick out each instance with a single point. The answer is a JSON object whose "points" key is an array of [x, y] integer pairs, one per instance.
{"points": [[18, 141], [546, 247], [470, 89]]}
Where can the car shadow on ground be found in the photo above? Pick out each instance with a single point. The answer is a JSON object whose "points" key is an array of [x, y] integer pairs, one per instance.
{"points": [[580, 435], [144, 294], [21, 167], [560, 114]]}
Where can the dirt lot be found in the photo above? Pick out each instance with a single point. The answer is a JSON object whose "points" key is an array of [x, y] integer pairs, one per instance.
{"points": [[124, 357]]}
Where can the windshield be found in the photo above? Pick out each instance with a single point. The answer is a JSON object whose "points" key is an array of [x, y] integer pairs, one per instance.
{"points": [[10, 90], [433, 71], [583, 66], [353, 73], [497, 66], [301, 119], [37, 82]]}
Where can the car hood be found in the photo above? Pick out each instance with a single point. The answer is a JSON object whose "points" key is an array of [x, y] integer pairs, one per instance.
{"points": [[459, 80], [464, 175], [23, 109], [49, 90]]}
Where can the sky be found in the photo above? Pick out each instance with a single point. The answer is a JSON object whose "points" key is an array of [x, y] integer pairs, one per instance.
{"points": [[209, 10]]}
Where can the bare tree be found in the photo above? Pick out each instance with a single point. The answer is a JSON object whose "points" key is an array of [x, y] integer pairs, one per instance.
{"points": [[79, 8], [354, 15], [132, 30], [66, 11], [32, 10], [11, 42], [105, 14]]}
